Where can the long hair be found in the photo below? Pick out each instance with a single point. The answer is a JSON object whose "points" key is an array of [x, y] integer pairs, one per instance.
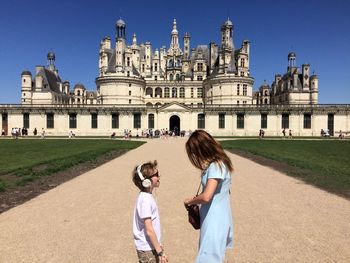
{"points": [[202, 149]]}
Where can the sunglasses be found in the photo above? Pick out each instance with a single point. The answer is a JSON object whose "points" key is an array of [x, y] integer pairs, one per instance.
{"points": [[156, 174]]}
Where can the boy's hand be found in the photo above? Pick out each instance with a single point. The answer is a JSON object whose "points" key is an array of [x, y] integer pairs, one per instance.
{"points": [[163, 259]]}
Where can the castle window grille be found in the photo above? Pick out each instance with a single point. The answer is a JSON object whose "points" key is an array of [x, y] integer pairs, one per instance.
{"points": [[72, 121], [115, 121], [245, 90], [94, 120], [199, 78], [151, 121], [221, 120], [137, 120], [200, 66], [263, 121], [182, 92], [199, 92], [50, 121], [201, 121], [26, 120], [285, 121], [240, 121], [166, 92], [307, 121]]}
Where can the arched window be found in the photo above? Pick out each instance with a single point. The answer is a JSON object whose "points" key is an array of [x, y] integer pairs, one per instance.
{"points": [[149, 104], [158, 92], [265, 101], [149, 92], [171, 77], [174, 92], [166, 92], [78, 93]]}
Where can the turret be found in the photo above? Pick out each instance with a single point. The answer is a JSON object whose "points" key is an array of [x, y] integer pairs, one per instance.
{"points": [[314, 89], [120, 45], [26, 87], [227, 35], [291, 61], [187, 46]]}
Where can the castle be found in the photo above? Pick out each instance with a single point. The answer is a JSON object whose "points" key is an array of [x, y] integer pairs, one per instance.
{"points": [[207, 87]]}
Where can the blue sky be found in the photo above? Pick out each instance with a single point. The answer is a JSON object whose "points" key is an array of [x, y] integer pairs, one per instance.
{"points": [[317, 31]]}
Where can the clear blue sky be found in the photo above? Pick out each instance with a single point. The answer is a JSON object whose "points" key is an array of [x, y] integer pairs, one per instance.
{"points": [[317, 31]]}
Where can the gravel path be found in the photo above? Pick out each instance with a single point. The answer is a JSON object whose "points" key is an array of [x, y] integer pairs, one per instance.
{"points": [[89, 219]]}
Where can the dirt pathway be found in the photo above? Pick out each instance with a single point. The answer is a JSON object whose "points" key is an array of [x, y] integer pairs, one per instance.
{"points": [[89, 219]]}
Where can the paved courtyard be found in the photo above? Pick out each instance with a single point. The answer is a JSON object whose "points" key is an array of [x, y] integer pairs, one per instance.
{"points": [[89, 219]]}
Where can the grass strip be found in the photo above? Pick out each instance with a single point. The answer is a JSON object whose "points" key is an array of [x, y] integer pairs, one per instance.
{"points": [[322, 163]]}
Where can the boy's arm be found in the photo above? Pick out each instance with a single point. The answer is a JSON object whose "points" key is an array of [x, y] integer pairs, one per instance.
{"points": [[154, 241], [152, 235]]}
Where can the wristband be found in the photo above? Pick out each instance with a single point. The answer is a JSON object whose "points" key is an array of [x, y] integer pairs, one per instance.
{"points": [[161, 253]]}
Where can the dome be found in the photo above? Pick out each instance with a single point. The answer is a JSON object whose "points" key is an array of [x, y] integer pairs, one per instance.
{"points": [[228, 22], [26, 72], [292, 55], [51, 56], [120, 23], [79, 86]]}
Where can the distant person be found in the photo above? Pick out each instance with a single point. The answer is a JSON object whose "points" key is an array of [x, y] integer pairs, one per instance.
{"points": [[341, 135], [113, 135], [322, 133], [42, 133], [3, 132], [284, 133], [146, 221], [216, 224], [35, 132], [290, 134]]}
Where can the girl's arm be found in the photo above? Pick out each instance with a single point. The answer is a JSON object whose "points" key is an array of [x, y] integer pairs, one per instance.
{"points": [[207, 194]]}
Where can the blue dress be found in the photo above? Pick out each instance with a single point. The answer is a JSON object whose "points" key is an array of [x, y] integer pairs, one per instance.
{"points": [[216, 233]]}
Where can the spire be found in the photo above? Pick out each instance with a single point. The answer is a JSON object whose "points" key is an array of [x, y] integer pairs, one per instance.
{"points": [[174, 37], [134, 40]]}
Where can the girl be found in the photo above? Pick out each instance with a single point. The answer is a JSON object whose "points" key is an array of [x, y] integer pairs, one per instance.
{"points": [[146, 222], [216, 232]]}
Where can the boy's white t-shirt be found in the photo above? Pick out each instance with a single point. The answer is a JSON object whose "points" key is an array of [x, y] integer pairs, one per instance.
{"points": [[145, 207]]}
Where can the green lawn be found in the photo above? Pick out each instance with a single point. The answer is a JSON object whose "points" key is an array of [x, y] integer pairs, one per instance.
{"points": [[323, 163], [24, 160]]}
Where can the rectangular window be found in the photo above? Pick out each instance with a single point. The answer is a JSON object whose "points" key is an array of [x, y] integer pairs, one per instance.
{"points": [[201, 121], [307, 121], [50, 124], [285, 121], [263, 121], [115, 121], [200, 66], [151, 121], [137, 120], [238, 91], [94, 120], [155, 67], [26, 120], [199, 78], [240, 121], [72, 120], [199, 92], [245, 90], [191, 92], [221, 120]]}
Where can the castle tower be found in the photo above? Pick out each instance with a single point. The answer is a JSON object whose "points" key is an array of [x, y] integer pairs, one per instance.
{"points": [[174, 45], [26, 87], [120, 45], [51, 57], [227, 35], [291, 61], [187, 46]]}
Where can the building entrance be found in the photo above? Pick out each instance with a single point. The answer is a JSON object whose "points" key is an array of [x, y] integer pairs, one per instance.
{"points": [[174, 124]]}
